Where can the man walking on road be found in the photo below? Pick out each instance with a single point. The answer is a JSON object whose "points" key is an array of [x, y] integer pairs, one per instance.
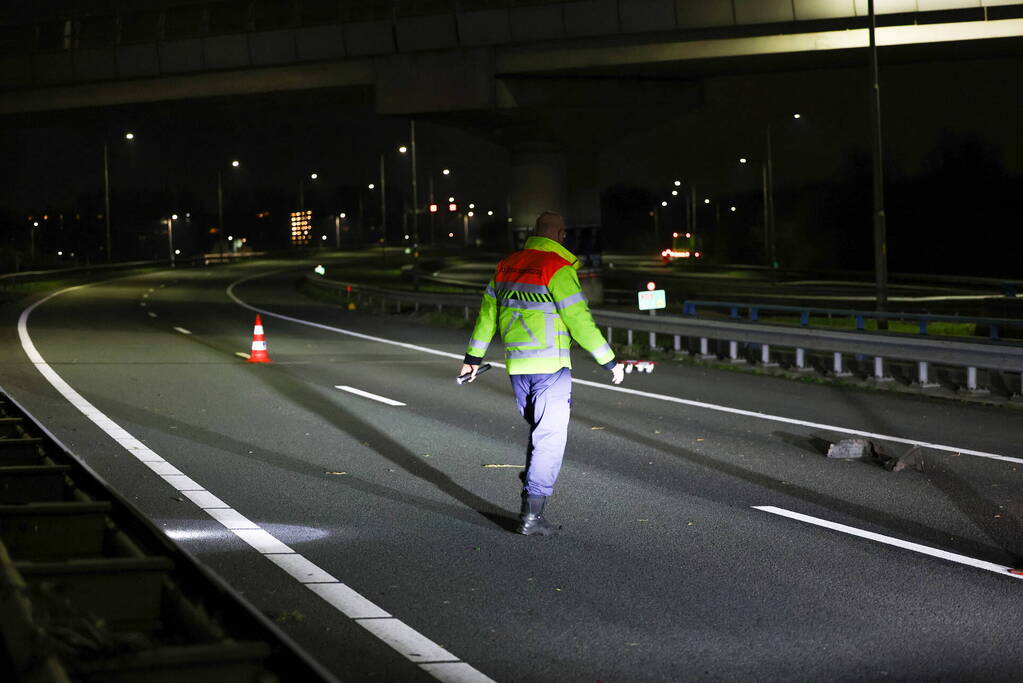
{"points": [[537, 303]]}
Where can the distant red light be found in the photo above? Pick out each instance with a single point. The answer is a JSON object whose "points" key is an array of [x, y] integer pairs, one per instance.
{"points": [[452, 207]]}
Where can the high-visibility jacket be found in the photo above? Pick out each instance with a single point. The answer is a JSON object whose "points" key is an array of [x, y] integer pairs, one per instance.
{"points": [[536, 302]]}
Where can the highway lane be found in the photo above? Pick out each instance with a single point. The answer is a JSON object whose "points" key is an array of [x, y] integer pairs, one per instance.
{"points": [[664, 570]]}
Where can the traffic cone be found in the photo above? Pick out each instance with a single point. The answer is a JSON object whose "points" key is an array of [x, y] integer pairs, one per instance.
{"points": [[258, 354]]}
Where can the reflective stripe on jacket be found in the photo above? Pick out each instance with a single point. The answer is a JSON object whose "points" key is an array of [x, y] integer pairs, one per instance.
{"points": [[536, 303]]}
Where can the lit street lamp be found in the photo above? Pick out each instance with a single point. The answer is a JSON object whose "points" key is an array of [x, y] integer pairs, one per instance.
{"points": [[301, 190], [129, 136], [220, 206], [170, 237]]}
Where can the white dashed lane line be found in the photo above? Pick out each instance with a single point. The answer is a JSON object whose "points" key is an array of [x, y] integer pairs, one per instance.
{"points": [[182, 330], [366, 394], [151, 314]]}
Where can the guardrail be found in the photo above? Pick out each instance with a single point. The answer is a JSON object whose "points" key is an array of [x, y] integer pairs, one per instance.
{"points": [[90, 590], [859, 317], [971, 365]]}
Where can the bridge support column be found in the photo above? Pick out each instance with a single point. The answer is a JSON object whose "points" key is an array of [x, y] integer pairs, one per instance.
{"points": [[537, 183]]}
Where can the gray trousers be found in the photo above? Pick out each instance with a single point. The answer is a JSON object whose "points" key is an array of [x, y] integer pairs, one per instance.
{"points": [[545, 402]]}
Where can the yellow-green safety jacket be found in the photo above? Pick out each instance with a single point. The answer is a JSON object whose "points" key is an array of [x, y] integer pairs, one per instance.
{"points": [[537, 303]]}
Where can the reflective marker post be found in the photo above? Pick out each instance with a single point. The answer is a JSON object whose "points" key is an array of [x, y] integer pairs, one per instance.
{"points": [[651, 300]]}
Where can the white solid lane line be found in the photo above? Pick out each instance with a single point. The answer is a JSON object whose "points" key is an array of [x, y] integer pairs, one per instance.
{"points": [[151, 314], [801, 423], [409, 643], [635, 392], [366, 394], [182, 330], [889, 540]]}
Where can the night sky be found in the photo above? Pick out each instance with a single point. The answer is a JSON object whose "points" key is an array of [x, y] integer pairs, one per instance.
{"points": [[954, 120]]}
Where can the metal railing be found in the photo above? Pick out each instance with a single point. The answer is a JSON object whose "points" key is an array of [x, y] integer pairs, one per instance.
{"points": [[878, 355], [753, 312], [92, 590]]}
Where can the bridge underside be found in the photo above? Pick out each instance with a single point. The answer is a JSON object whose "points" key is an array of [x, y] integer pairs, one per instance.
{"points": [[505, 77]]}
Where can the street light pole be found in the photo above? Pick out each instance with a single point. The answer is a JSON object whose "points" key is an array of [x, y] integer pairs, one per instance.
{"points": [[880, 227], [106, 194], [220, 212], [170, 239], [769, 232], [415, 208], [383, 210]]}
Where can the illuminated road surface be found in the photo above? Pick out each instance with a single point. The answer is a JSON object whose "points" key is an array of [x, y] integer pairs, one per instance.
{"points": [[352, 491]]}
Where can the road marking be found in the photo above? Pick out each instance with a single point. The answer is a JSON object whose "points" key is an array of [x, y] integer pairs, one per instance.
{"points": [[412, 645], [889, 540], [151, 314], [625, 390], [242, 354], [182, 330], [366, 394]]}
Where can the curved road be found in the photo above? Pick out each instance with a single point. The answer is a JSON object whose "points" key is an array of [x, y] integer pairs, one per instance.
{"points": [[706, 537]]}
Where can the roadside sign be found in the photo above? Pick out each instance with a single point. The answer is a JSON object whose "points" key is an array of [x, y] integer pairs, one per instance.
{"points": [[650, 300]]}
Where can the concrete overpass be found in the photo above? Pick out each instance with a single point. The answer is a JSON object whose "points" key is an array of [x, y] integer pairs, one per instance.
{"points": [[441, 56], [485, 64]]}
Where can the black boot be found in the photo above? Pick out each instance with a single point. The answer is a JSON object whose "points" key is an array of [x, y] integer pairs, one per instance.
{"points": [[531, 519]]}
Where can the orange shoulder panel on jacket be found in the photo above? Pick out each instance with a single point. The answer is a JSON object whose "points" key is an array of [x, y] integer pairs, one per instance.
{"points": [[530, 266]]}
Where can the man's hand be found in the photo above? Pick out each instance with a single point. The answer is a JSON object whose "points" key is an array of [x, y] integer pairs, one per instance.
{"points": [[469, 368], [618, 373]]}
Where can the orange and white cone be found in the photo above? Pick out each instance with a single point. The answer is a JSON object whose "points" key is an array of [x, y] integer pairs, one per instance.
{"points": [[258, 354]]}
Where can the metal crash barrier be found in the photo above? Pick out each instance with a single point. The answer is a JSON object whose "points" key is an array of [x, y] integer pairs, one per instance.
{"points": [[91, 591], [923, 362]]}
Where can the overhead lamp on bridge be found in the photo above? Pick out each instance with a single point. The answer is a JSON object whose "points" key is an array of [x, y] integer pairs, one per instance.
{"points": [[314, 176], [664, 203], [372, 186], [797, 116], [706, 201], [743, 160], [732, 208], [402, 149], [236, 163], [678, 183], [674, 193], [129, 136], [446, 171]]}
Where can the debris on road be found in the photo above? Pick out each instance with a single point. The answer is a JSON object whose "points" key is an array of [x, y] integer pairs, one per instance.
{"points": [[862, 449], [851, 449]]}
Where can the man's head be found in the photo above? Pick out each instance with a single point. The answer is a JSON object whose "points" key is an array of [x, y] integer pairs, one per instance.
{"points": [[552, 226]]}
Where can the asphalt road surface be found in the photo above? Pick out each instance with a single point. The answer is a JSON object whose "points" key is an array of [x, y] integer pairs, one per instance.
{"points": [[705, 534]]}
